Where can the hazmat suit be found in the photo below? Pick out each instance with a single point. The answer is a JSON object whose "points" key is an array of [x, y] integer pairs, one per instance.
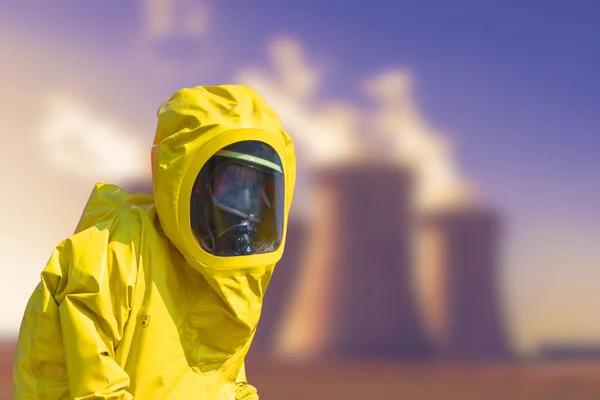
{"points": [[159, 296]]}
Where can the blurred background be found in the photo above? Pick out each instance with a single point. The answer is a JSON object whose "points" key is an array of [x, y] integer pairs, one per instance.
{"points": [[444, 241]]}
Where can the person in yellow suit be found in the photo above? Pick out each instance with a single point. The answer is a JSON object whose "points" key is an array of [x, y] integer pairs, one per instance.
{"points": [[159, 296]]}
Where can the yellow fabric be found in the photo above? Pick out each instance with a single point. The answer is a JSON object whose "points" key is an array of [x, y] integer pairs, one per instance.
{"points": [[131, 306]]}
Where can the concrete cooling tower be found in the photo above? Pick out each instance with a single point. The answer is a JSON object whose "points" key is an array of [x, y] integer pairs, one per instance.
{"points": [[459, 284], [354, 298]]}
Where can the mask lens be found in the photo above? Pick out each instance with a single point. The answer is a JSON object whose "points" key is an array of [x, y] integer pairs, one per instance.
{"points": [[237, 205], [239, 187]]}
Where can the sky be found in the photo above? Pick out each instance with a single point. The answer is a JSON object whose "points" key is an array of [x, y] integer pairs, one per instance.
{"points": [[504, 98]]}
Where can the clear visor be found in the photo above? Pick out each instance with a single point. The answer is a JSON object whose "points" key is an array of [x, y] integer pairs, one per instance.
{"points": [[237, 206], [242, 190]]}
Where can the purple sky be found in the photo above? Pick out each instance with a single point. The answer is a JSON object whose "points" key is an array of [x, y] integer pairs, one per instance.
{"points": [[515, 84]]}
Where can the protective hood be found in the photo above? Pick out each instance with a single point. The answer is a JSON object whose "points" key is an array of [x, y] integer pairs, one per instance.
{"points": [[193, 125]]}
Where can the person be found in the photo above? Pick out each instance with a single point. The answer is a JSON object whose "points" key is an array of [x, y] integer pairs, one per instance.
{"points": [[159, 296]]}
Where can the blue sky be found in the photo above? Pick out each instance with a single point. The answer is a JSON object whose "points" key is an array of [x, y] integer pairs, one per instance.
{"points": [[514, 84]]}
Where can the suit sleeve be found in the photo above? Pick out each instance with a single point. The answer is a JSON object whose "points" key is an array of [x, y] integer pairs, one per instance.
{"points": [[244, 391], [75, 319]]}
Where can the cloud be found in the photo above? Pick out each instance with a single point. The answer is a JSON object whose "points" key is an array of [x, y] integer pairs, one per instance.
{"points": [[176, 44], [328, 132], [296, 76], [87, 144], [323, 130], [403, 135], [162, 18]]}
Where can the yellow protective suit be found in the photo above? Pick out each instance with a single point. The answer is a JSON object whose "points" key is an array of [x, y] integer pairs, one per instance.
{"points": [[131, 306]]}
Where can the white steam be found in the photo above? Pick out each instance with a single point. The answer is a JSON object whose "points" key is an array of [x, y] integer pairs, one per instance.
{"points": [[84, 143], [330, 132]]}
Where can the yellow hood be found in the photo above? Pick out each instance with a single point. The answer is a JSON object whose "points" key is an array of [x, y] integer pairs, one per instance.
{"points": [[192, 125]]}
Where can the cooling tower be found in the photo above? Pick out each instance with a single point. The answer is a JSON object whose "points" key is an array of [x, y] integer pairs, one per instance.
{"points": [[459, 284], [354, 297]]}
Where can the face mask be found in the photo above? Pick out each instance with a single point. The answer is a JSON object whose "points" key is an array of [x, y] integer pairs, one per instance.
{"points": [[240, 206]]}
